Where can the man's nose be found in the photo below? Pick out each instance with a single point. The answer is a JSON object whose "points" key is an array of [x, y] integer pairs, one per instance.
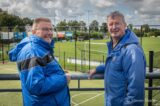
{"points": [[114, 26], [50, 31]]}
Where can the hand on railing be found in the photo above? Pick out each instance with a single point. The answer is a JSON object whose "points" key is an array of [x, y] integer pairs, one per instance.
{"points": [[91, 73], [68, 77]]}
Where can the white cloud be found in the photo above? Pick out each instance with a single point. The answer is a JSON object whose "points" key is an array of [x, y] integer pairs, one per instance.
{"points": [[134, 10], [103, 3]]}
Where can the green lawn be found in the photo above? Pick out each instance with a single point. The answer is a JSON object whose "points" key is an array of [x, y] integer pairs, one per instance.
{"points": [[99, 51], [85, 98], [78, 98], [148, 44]]}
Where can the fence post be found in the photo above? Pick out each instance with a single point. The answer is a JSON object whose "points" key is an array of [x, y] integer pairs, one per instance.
{"points": [[103, 59], [78, 83], [2, 49], [8, 38], [151, 53], [64, 60], [81, 59]]}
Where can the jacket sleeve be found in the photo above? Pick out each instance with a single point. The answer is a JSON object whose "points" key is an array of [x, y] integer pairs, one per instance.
{"points": [[134, 67], [38, 83], [100, 69]]}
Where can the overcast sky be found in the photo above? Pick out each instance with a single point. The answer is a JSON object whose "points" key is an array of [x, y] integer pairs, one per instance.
{"points": [[137, 12]]}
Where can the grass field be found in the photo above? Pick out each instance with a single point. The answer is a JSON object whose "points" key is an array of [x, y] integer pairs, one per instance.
{"points": [[148, 44], [78, 98], [98, 51]]}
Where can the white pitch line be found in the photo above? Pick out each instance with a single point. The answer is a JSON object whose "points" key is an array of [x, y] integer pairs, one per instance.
{"points": [[74, 103], [97, 43], [78, 95], [82, 94], [86, 99]]}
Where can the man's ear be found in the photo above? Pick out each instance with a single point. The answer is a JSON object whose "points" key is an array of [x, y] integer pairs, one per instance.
{"points": [[125, 25]]}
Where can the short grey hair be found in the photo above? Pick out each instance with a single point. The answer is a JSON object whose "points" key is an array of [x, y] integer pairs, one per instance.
{"points": [[38, 20], [116, 14]]}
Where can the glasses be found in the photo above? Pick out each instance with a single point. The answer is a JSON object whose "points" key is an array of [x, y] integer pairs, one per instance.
{"points": [[45, 29]]}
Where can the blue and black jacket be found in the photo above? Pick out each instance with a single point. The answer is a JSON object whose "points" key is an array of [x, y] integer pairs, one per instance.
{"points": [[43, 80]]}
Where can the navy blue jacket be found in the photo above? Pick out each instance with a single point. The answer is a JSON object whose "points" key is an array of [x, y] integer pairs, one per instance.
{"points": [[124, 72], [43, 80]]}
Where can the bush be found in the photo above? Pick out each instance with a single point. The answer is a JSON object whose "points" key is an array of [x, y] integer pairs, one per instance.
{"points": [[97, 35], [157, 33], [151, 34], [138, 33]]}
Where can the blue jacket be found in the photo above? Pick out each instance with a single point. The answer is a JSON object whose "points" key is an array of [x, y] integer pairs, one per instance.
{"points": [[124, 72], [43, 80]]}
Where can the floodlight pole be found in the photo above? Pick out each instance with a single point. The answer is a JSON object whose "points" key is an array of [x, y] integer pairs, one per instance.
{"points": [[75, 50], [89, 39], [89, 49]]}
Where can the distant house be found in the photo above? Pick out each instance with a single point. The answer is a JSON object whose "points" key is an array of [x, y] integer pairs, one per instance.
{"points": [[81, 38], [61, 35], [54, 34], [6, 35], [69, 35]]}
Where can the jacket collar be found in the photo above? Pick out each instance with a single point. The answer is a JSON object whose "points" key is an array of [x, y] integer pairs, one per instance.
{"points": [[41, 42]]}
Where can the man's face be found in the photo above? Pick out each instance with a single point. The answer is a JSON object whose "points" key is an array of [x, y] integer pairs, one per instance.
{"points": [[116, 27], [44, 30]]}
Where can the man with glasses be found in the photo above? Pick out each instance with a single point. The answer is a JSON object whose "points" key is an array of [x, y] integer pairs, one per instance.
{"points": [[43, 81], [124, 70]]}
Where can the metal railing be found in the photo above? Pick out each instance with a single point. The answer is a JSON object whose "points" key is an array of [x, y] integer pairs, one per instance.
{"points": [[79, 77], [150, 75]]}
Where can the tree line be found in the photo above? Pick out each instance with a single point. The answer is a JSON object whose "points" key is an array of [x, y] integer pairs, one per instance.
{"points": [[11, 22]]}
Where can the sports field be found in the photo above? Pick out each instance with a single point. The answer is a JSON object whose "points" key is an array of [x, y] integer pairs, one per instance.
{"points": [[78, 98], [99, 49]]}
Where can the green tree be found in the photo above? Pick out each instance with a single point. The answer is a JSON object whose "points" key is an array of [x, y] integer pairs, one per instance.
{"points": [[104, 28], [145, 28], [94, 25], [74, 24], [10, 21], [130, 26], [61, 26], [82, 25]]}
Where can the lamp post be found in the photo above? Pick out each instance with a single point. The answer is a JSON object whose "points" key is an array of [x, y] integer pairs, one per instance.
{"points": [[75, 50], [89, 49], [89, 39]]}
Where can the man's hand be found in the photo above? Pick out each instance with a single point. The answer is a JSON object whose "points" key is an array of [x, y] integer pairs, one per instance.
{"points": [[91, 73], [68, 77]]}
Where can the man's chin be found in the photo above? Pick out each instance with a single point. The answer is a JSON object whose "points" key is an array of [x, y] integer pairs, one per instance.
{"points": [[116, 36], [48, 40]]}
